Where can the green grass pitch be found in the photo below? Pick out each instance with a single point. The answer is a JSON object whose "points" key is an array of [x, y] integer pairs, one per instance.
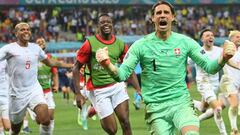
{"points": [[66, 120]]}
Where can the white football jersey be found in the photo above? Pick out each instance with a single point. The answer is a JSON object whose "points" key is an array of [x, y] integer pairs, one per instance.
{"points": [[201, 74], [232, 72], [4, 84], [22, 67]]}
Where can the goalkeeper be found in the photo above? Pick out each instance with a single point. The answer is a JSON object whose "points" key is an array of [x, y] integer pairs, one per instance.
{"points": [[163, 57]]}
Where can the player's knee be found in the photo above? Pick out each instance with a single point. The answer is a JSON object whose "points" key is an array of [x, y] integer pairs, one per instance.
{"points": [[45, 122], [15, 128], [15, 131], [43, 119], [192, 133], [190, 130], [111, 131], [6, 128], [125, 124], [233, 110]]}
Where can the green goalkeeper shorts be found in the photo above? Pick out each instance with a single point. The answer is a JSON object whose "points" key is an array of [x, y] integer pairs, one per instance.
{"points": [[167, 117]]}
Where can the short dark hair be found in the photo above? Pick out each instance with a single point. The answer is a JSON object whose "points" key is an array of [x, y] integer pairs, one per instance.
{"points": [[103, 14], [203, 31], [160, 2]]}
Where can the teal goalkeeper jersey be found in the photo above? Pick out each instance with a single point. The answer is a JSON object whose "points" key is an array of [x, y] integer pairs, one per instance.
{"points": [[164, 64]]}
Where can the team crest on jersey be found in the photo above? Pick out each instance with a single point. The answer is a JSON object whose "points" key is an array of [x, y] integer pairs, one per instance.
{"points": [[177, 51], [202, 52], [28, 64]]}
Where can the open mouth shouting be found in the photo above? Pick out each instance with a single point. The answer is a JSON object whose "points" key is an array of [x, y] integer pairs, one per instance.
{"points": [[211, 41], [163, 24]]}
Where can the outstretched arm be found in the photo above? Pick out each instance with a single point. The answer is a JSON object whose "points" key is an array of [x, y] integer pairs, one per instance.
{"points": [[55, 63], [213, 66], [51, 62]]}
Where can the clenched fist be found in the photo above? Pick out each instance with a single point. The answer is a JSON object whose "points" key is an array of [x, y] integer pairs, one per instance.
{"points": [[229, 50], [102, 56]]}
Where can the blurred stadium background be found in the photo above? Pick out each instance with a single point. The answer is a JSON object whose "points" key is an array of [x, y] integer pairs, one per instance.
{"points": [[65, 24]]}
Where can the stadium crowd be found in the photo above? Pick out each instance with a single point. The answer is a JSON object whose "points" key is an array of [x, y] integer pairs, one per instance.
{"points": [[54, 23], [74, 23]]}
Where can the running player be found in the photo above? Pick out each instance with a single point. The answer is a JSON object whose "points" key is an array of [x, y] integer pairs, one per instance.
{"points": [[163, 57], [230, 83], [4, 86], [48, 79], [208, 84], [107, 96], [25, 91]]}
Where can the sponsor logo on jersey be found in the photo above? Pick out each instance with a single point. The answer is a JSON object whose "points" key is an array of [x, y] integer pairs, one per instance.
{"points": [[164, 51], [202, 52]]}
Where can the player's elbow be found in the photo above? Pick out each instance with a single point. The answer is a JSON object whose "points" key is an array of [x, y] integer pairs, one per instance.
{"points": [[212, 72], [116, 78]]}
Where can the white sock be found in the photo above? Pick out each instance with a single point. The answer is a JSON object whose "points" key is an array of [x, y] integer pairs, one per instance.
{"points": [[84, 112], [238, 103], [10, 132], [232, 114], [52, 126], [198, 105], [219, 121], [208, 114], [45, 130], [239, 108], [25, 123], [1, 131]]}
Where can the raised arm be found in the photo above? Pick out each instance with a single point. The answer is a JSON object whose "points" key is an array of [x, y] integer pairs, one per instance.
{"points": [[124, 71], [212, 67]]}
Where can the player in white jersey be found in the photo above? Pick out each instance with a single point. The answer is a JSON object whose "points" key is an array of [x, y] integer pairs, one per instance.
{"points": [[4, 117], [25, 91], [230, 83], [208, 84]]}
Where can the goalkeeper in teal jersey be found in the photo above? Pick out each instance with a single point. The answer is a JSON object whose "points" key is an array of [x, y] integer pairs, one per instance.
{"points": [[163, 57]]}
